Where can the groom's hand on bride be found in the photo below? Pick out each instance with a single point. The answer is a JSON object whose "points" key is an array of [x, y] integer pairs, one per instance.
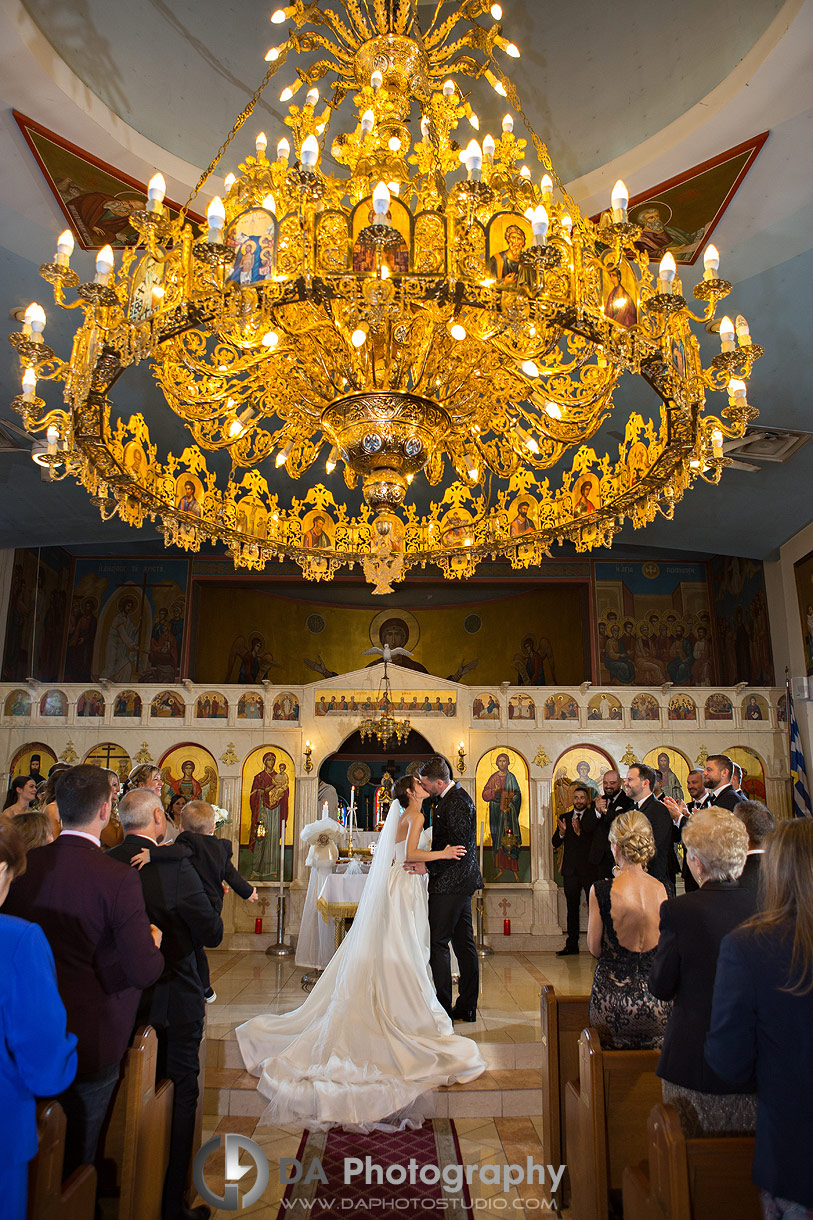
{"points": [[417, 867]]}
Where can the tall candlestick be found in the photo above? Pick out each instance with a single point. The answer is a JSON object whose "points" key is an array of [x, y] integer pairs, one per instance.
{"points": [[482, 841], [281, 859]]}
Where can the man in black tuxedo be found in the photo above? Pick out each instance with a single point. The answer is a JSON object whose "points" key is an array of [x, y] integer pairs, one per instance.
{"points": [[607, 809], [91, 909], [718, 774], [451, 885], [680, 814], [176, 902], [575, 829], [639, 784], [759, 822]]}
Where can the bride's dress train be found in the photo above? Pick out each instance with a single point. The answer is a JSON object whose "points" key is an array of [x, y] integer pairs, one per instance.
{"points": [[371, 1037]]}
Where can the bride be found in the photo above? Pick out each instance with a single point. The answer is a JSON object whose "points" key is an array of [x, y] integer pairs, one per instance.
{"points": [[371, 1037]]}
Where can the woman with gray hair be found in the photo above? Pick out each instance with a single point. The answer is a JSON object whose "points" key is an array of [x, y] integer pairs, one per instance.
{"points": [[691, 929]]}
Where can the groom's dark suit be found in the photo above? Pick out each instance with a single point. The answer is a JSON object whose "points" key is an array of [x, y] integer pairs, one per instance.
{"points": [[451, 885]]}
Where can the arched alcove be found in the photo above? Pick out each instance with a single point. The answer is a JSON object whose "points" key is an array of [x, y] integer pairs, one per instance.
{"points": [[395, 757]]}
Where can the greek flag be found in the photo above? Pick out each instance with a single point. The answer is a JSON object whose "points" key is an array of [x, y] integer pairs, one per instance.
{"points": [[798, 775]]}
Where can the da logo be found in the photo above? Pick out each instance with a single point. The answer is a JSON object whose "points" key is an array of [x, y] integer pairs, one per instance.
{"points": [[230, 1199]]}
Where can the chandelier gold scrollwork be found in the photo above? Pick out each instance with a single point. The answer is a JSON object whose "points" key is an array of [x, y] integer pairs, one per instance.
{"points": [[427, 316], [383, 727]]}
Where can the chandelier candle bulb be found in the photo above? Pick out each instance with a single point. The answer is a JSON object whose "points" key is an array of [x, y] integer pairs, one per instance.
{"points": [[368, 122], [64, 248], [474, 160], [270, 339], [457, 332], [270, 205], [566, 221], [553, 410], [358, 337], [737, 389], [272, 56], [29, 384], [425, 129], [287, 93], [711, 262], [312, 97], [525, 173], [310, 152], [279, 16], [216, 218], [546, 187], [618, 201], [510, 48], [333, 457], [284, 454], [727, 335], [448, 88], [539, 225], [381, 203], [488, 148], [156, 189], [474, 121], [34, 321], [530, 368], [743, 331], [666, 272], [229, 182], [104, 265], [717, 443], [496, 12], [394, 144], [471, 466], [376, 81], [507, 124], [261, 143], [283, 150]]}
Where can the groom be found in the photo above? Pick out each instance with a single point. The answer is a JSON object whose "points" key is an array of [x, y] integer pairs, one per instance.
{"points": [[451, 885]]}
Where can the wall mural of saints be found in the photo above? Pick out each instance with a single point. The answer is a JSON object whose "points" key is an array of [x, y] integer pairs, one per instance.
{"points": [[674, 767], [191, 771], [267, 812], [584, 765], [654, 624], [502, 806], [33, 760]]}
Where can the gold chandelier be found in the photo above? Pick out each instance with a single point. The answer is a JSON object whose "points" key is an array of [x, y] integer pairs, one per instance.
{"points": [[383, 727], [429, 310]]}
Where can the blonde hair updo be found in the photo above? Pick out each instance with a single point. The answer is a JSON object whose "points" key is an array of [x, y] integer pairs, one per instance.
{"points": [[631, 833]]}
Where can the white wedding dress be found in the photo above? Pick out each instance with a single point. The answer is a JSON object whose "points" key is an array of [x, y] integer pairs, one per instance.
{"points": [[371, 1038]]}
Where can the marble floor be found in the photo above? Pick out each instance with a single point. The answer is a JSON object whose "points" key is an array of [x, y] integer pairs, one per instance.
{"points": [[507, 1029]]}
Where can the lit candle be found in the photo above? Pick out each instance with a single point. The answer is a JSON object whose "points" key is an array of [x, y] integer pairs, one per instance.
{"points": [[156, 189], [727, 335], [736, 389], [64, 248], [567, 225], [618, 201], [229, 182], [283, 149], [507, 125], [381, 204], [546, 187], [666, 272], [448, 88], [425, 129], [488, 148], [376, 81], [270, 205], [34, 321], [216, 217], [367, 122], [104, 265], [261, 143], [312, 97], [29, 384]]}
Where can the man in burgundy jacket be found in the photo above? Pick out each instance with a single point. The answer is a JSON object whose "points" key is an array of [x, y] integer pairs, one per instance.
{"points": [[92, 911]]}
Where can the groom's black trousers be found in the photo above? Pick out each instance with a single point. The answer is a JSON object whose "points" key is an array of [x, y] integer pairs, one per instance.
{"points": [[450, 920]]}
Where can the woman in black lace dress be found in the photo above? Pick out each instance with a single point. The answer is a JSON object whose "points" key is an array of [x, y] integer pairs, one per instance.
{"points": [[623, 934]]}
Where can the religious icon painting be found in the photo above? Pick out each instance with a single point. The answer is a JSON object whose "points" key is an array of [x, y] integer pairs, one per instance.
{"points": [[604, 707], [456, 527], [147, 286], [189, 770], [682, 707], [17, 703], [586, 495], [395, 257], [754, 707], [135, 461], [522, 516], [90, 703], [252, 517], [34, 759], [507, 236], [250, 707], [168, 706], [394, 536], [620, 294], [637, 463], [782, 710], [502, 791], [253, 237], [674, 767], [189, 494], [561, 707], [211, 706], [645, 707], [286, 707], [53, 703], [358, 774], [127, 703], [753, 772], [521, 707], [584, 765], [112, 757], [486, 706], [719, 707], [317, 531], [267, 816]]}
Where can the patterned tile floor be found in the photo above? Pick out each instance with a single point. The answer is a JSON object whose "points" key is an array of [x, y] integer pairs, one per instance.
{"points": [[508, 1023]]}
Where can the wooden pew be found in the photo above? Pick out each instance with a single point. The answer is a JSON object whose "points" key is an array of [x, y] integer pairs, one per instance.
{"points": [[563, 1018], [606, 1113], [690, 1179], [137, 1136], [49, 1198]]}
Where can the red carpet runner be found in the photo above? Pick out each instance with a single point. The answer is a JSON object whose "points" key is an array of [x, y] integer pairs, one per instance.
{"points": [[399, 1174]]}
